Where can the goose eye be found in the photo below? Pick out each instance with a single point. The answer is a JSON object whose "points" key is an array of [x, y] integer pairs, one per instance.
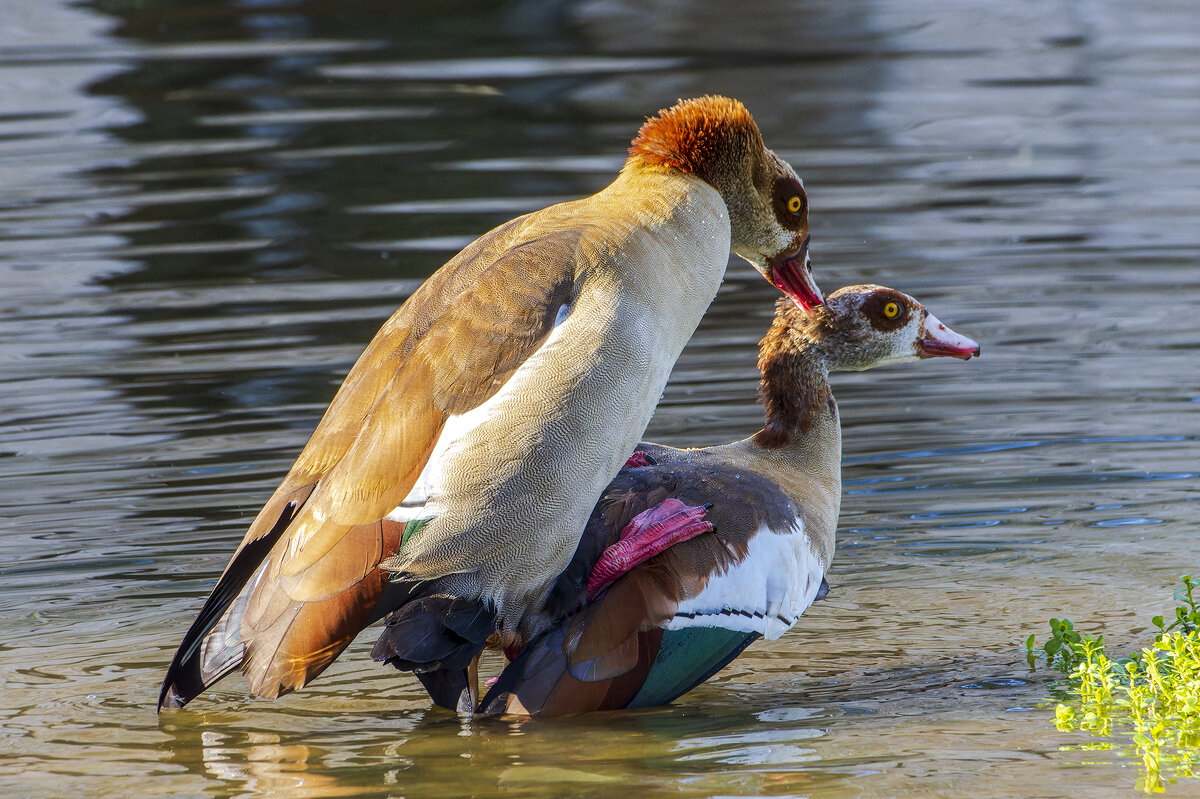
{"points": [[795, 204], [891, 310]]}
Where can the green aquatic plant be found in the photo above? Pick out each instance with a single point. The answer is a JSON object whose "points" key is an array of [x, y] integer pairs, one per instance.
{"points": [[1152, 696]]}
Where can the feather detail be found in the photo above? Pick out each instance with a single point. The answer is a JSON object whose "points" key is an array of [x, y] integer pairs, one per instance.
{"points": [[436, 635], [197, 664], [792, 387], [694, 136], [302, 596], [647, 534], [767, 591], [642, 599], [539, 682]]}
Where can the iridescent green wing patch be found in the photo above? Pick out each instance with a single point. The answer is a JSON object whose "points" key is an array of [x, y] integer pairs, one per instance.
{"points": [[413, 526]]}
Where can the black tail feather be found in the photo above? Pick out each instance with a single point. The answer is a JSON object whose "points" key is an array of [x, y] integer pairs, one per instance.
{"points": [[184, 680], [436, 636], [444, 686], [495, 701]]}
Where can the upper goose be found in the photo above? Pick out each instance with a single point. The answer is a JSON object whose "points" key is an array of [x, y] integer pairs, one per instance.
{"points": [[499, 400], [687, 560]]}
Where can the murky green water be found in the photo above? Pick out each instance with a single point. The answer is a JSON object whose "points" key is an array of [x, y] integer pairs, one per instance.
{"points": [[207, 209]]}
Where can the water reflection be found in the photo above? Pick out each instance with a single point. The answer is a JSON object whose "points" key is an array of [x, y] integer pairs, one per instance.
{"points": [[261, 765], [208, 209]]}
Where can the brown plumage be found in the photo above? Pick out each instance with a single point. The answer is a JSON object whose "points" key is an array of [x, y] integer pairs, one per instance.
{"points": [[791, 398], [497, 403]]}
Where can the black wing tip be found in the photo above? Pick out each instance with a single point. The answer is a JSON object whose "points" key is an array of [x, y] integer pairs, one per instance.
{"points": [[169, 699], [444, 686], [183, 681], [178, 688]]}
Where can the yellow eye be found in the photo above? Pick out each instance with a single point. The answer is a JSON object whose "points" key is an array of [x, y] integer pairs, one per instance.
{"points": [[891, 310], [795, 204]]}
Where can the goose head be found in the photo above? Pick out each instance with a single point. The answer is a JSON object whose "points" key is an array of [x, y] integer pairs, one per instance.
{"points": [[716, 139], [861, 327]]}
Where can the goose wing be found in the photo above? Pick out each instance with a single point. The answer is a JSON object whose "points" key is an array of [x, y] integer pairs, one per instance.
{"points": [[672, 622], [306, 576]]}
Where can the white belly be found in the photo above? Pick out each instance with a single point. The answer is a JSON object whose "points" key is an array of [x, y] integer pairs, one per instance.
{"points": [[765, 593]]}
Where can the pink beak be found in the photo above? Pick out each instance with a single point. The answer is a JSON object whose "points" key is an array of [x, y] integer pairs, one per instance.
{"points": [[792, 275], [941, 341]]}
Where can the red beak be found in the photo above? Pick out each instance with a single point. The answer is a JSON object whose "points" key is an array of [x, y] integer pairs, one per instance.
{"points": [[792, 275]]}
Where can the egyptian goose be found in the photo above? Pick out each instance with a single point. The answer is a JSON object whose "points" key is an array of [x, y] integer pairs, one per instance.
{"points": [[688, 559], [494, 406]]}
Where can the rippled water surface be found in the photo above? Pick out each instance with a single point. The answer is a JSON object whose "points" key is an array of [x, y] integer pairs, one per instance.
{"points": [[206, 209]]}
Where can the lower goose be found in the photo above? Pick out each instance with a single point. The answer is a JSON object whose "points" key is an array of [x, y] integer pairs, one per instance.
{"points": [[692, 554]]}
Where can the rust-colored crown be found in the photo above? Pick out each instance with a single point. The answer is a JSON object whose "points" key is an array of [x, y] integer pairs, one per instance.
{"points": [[694, 135]]}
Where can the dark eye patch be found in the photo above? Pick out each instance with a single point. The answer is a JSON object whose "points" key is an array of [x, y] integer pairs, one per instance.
{"points": [[875, 308], [790, 214]]}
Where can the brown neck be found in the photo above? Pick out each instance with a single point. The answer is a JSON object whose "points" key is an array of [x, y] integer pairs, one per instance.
{"points": [[794, 388], [800, 447]]}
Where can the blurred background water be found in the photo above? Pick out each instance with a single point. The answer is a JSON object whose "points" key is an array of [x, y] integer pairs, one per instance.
{"points": [[206, 209]]}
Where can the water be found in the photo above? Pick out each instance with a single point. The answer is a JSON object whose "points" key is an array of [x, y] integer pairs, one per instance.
{"points": [[208, 209]]}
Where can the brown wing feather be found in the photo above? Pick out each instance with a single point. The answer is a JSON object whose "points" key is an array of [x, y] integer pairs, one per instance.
{"points": [[625, 687], [301, 638], [570, 695], [457, 365], [448, 349], [600, 635], [545, 686]]}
